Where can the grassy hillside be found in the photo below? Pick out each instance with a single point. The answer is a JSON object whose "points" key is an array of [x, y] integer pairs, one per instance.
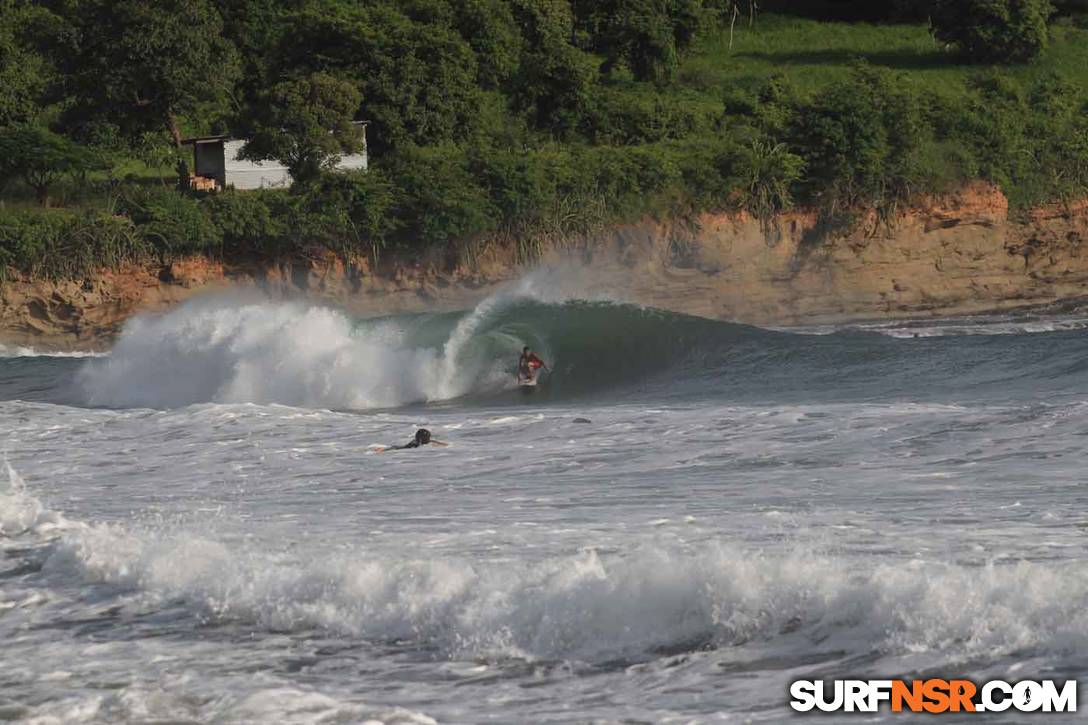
{"points": [[528, 121], [813, 53]]}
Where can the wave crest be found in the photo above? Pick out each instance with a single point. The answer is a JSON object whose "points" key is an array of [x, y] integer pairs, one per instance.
{"points": [[264, 352], [631, 606], [257, 351]]}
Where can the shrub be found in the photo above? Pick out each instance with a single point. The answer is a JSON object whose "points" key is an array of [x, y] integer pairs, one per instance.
{"points": [[768, 171], [171, 223], [987, 123], [253, 222], [349, 213], [439, 200], [520, 185], [58, 245], [770, 107], [624, 116], [1031, 142], [778, 101], [707, 167], [993, 31], [1057, 128], [860, 140]]}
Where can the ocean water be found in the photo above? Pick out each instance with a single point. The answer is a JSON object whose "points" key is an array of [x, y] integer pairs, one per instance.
{"points": [[684, 518]]}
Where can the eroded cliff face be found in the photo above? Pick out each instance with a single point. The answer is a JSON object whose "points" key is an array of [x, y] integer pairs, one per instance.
{"points": [[953, 255]]}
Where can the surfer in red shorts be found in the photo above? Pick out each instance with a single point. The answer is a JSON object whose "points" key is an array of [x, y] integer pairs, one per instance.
{"points": [[528, 365]]}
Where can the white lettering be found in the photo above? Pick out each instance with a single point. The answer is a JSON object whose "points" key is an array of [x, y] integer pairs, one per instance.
{"points": [[993, 696], [857, 697], [989, 704], [879, 691], [803, 693], [1027, 696], [835, 704], [1064, 701]]}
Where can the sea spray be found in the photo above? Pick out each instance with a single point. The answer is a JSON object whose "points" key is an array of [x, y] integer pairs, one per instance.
{"points": [[20, 512], [17, 511], [268, 352]]}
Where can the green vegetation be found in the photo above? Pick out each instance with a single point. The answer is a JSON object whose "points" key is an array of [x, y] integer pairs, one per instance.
{"points": [[993, 30], [41, 158], [307, 123], [131, 66], [527, 120]]}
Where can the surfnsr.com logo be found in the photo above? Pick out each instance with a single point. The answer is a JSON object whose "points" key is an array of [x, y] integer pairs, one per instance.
{"points": [[933, 696]]}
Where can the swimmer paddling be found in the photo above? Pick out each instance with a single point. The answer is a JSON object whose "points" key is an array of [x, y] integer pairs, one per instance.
{"points": [[422, 438]]}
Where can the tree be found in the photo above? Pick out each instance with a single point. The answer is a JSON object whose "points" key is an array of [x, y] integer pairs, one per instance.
{"points": [[306, 124], [727, 12], [648, 36], [993, 31], [255, 28], [554, 85], [41, 157], [556, 88], [24, 72], [418, 78], [142, 64], [843, 10], [860, 140], [488, 26]]}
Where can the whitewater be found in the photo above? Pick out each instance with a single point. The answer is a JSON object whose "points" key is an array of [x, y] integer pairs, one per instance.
{"points": [[687, 516]]}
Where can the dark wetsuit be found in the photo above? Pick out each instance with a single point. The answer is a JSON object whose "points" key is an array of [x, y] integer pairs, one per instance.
{"points": [[423, 437]]}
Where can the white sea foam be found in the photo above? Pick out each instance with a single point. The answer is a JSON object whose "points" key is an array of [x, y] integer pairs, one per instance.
{"points": [[264, 353], [950, 327], [21, 512], [9, 351], [287, 705], [588, 606]]}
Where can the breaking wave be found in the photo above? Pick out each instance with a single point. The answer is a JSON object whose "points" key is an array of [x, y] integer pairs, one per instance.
{"points": [[590, 607], [261, 353], [229, 350]]}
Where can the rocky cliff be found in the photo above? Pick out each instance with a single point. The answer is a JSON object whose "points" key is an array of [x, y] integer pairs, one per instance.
{"points": [[962, 253]]}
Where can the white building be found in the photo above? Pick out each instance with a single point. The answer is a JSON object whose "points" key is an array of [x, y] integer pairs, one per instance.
{"points": [[216, 165]]}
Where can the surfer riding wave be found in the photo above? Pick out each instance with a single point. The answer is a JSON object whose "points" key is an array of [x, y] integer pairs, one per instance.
{"points": [[528, 365]]}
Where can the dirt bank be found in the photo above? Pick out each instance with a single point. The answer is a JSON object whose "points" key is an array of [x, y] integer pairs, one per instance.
{"points": [[961, 253]]}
